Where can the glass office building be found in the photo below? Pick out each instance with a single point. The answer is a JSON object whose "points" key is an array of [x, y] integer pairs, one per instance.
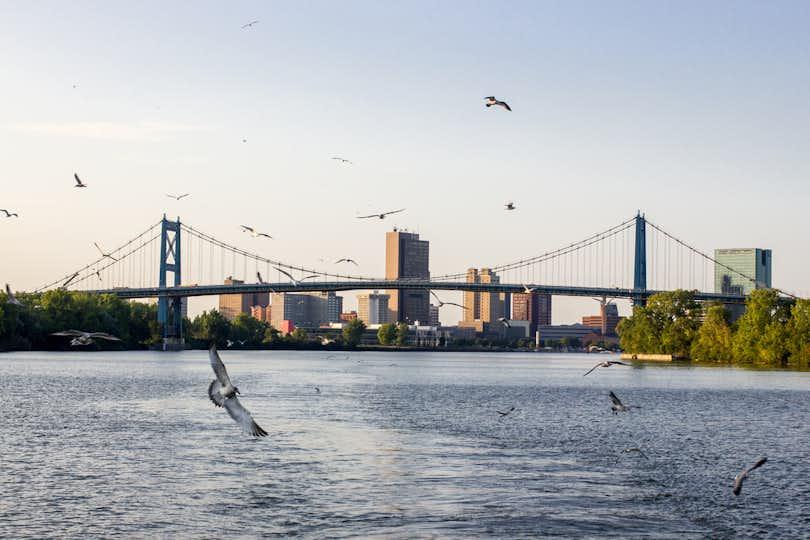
{"points": [[753, 263]]}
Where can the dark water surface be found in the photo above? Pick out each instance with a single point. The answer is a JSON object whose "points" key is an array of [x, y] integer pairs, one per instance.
{"points": [[397, 445]]}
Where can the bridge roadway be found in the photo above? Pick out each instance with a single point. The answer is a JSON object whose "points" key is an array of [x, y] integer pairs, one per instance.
{"points": [[317, 286]]}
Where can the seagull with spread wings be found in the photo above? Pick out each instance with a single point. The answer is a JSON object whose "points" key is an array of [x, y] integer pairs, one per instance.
{"points": [[295, 281], [510, 206], [177, 197], [618, 406], [347, 261], [9, 214], [255, 233], [606, 364], [738, 480], [107, 255], [381, 215], [490, 101], [342, 160], [250, 24], [222, 393], [505, 413], [11, 299], [446, 303], [528, 290], [78, 181], [85, 338]]}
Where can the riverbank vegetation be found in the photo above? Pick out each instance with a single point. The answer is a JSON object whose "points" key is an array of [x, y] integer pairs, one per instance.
{"points": [[771, 332]]}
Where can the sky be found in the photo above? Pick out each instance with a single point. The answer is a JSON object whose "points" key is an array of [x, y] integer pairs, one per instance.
{"points": [[692, 112]]}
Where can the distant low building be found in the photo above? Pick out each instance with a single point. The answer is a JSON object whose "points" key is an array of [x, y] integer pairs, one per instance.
{"points": [[570, 331], [347, 316]]}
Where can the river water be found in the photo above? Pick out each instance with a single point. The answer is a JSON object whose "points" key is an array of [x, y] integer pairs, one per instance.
{"points": [[397, 445]]}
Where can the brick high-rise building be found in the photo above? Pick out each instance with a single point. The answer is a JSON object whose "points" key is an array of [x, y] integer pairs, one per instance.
{"points": [[534, 307], [606, 321], [231, 305], [406, 256]]}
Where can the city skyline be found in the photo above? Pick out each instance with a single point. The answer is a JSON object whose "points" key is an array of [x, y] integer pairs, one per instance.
{"points": [[150, 115]]}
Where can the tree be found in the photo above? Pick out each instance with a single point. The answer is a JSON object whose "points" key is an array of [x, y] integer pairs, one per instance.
{"points": [[247, 328], [761, 336], [387, 334], [211, 327], [667, 324], [353, 332], [271, 335], [714, 338], [402, 334], [799, 332]]}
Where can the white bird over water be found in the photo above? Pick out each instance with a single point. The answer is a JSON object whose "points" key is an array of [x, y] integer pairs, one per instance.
{"points": [[490, 101], [78, 181], [381, 215], [606, 364], [738, 480], [107, 255], [11, 299], [223, 393], [295, 281], [85, 338], [255, 233], [9, 214]]}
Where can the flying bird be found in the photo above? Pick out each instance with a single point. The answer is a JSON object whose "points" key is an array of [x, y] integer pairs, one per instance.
{"points": [[504, 321], [636, 450], [446, 303], [223, 394], [502, 413], [99, 275], [295, 281], [178, 197], [11, 299], [254, 233], [382, 215], [78, 181], [9, 214], [104, 254], [340, 159], [606, 364], [317, 390], [510, 206], [250, 24], [618, 406], [259, 277], [347, 261], [528, 290], [85, 338], [69, 280], [492, 101], [738, 480]]}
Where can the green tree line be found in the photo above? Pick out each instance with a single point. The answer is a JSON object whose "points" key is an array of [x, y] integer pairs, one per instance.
{"points": [[771, 332]]}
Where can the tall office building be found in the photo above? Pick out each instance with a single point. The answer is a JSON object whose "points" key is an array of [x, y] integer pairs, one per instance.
{"points": [[334, 307], [483, 306], [406, 256], [434, 316], [606, 321], [373, 308], [752, 262], [231, 305], [534, 307], [307, 310]]}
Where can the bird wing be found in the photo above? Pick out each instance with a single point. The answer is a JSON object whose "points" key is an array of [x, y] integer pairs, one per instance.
{"points": [[593, 368], [616, 401], [246, 228], [103, 335], [218, 366], [259, 277], [366, 217], [243, 417], [758, 464], [183, 195], [617, 362], [738, 481], [78, 180], [8, 291], [393, 212], [214, 393], [505, 106], [99, 249], [284, 272], [490, 97], [267, 235], [6, 211], [68, 333]]}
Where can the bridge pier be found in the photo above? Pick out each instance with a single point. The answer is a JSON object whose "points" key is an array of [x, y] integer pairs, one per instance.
{"points": [[170, 313]]}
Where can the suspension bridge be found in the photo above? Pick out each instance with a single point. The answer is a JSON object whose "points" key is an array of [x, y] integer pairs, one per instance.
{"points": [[172, 260]]}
